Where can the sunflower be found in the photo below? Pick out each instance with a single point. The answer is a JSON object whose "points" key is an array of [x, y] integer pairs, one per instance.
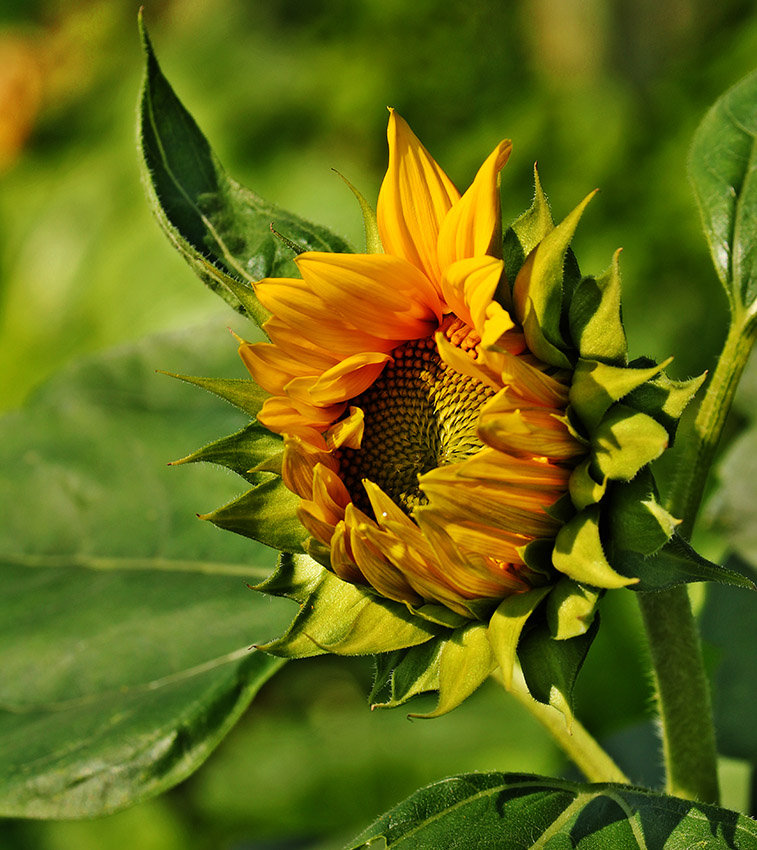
{"points": [[451, 430], [425, 440]]}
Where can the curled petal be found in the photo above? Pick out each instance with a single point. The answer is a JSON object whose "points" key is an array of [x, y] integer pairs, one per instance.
{"points": [[415, 197], [472, 226]]}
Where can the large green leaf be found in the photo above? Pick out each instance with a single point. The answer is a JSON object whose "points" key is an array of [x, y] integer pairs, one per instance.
{"points": [[126, 622], [723, 171], [222, 229], [524, 812]]}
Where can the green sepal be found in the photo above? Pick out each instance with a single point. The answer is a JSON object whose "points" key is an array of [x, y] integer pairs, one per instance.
{"points": [[550, 667], [370, 222], [584, 490], [538, 288], [465, 662], [406, 673], [625, 441], [537, 556], [318, 552], [242, 291], [295, 577], [538, 344], [525, 233], [562, 510], [595, 386], [506, 625], [665, 400], [676, 563], [247, 452], [340, 618], [242, 393], [570, 608], [439, 614], [638, 522], [267, 513], [595, 320], [578, 552]]}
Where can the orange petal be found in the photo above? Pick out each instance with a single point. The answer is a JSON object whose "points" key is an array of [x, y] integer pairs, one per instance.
{"points": [[472, 226], [342, 382], [383, 295], [347, 432], [414, 200]]}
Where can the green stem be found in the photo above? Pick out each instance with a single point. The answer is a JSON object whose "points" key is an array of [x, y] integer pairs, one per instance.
{"points": [[576, 742], [683, 696], [699, 447]]}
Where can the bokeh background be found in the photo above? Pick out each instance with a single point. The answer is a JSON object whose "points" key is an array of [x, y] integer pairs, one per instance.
{"points": [[603, 94]]}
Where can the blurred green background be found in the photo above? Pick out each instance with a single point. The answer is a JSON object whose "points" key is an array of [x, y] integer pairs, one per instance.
{"points": [[603, 94]]}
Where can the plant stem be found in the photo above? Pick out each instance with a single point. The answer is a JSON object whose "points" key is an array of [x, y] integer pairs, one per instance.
{"points": [[683, 696], [699, 446], [576, 742]]}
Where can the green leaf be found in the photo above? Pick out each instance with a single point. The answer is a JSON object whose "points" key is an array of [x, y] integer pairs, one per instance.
{"points": [[676, 563], [525, 812], [126, 622], [222, 229], [723, 172], [730, 627], [731, 508]]}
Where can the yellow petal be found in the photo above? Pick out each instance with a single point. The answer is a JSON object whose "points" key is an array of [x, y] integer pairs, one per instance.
{"points": [[381, 575], [415, 197], [384, 296], [348, 432], [301, 315], [472, 226], [342, 382]]}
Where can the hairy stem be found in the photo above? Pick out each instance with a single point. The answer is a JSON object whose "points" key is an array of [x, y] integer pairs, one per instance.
{"points": [[576, 742], [683, 696], [700, 444]]}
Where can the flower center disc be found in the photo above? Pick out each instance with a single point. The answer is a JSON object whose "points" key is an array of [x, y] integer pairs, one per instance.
{"points": [[419, 414]]}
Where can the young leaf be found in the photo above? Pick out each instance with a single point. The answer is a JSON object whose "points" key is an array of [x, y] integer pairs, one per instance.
{"points": [[723, 171], [222, 229], [511, 810]]}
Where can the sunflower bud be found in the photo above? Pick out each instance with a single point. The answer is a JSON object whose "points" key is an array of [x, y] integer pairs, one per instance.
{"points": [[452, 432]]}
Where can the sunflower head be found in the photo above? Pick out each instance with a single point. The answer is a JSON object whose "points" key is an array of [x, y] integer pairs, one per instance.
{"points": [[451, 447]]}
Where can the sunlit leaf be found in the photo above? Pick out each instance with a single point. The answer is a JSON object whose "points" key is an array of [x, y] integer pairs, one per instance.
{"points": [[523, 811], [223, 230], [126, 622], [723, 171]]}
